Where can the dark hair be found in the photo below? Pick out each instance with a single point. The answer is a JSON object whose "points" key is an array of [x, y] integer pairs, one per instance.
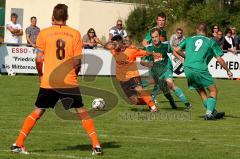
{"points": [[33, 18], [154, 30], [179, 29], [91, 30], [117, 38], [212, 28], [202, 26], [162, 15], [228, 30], [60, 12], [14, 15]]}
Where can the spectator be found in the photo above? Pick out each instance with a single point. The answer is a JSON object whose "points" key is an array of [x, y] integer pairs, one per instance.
{"points": [[215, 29], [161, 22], [228, 43], [14, 30], [176, 38], [117, 30], [32, 32], [90, 39], [219, 38], [235, 37]]}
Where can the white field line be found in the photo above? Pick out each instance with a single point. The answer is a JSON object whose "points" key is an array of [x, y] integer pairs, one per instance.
{"points": [[52, 155], [135, 137]]}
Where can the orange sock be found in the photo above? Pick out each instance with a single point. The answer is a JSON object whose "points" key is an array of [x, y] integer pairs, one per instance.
{"points": [[27, 127], [147, 98], [88, 125]]}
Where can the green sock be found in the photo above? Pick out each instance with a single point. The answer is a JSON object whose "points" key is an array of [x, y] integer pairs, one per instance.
{"points": [[155, 90], [211, 104], [144, 83], [205, 103], [179, 93]]}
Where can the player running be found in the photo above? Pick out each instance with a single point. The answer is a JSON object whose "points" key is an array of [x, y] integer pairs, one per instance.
{"points": [[127, 73], [59, 49], [161, 69], [199, 50]]}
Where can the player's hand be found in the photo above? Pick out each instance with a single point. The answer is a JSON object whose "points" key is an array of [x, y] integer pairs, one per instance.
{"points": [[230, 74], [40, 78], [150, 64], [157, 56]]}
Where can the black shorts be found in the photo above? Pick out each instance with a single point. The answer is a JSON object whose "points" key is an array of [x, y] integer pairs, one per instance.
{"points": [[70, 98], [129, 86]]}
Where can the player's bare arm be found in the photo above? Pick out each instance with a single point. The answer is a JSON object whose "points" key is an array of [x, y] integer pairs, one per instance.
{"points": [[77, 65], [146, 64], [178, 52], [175, 54], [39, 64], [224, 65]]}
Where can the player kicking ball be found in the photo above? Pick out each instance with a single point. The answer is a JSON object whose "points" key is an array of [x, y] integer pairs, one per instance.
{"points": [[127, 73], [60, 49], [199, 50], [161, 70]]}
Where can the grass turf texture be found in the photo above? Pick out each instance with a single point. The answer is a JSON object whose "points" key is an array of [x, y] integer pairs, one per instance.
{"points": [[54, 138]]}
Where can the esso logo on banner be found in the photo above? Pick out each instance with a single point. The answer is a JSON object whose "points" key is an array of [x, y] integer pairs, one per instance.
{"points": [[19, 50]]}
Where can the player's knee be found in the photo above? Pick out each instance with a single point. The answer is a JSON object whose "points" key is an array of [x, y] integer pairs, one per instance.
{"points": [[39, 112], [133, 100], [82, 113]]}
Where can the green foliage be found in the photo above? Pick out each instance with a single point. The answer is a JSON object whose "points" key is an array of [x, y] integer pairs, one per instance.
{"points": [[2, 3], [137, 23], [188, 12]]}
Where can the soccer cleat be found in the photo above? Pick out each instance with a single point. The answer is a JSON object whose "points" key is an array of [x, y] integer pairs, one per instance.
{"points": [[218, 115], [173, 104], [97, 151], [209, 117], [16, 149], [154, 109], [188, 106]]}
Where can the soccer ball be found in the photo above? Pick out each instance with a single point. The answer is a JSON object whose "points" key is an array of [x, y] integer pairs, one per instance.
{"points": [[11, 73], [98, 104]]}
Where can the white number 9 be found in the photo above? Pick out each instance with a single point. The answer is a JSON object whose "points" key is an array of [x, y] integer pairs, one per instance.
{"points": [[198, 44]]}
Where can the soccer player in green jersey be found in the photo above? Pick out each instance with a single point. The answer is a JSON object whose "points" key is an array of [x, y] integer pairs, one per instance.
{"points": [[161, 69], [199, 50], [161, 22]]}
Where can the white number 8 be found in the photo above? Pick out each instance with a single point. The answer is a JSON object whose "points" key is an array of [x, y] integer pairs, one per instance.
{"points": [[198, 44]]}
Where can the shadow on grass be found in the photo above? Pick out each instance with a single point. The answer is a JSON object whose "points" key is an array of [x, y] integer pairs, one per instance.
{"points": [[225, 117], [83, 147]]}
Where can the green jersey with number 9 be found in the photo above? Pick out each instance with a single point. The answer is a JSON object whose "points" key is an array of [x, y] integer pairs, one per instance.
{"points": [[199, 50]]}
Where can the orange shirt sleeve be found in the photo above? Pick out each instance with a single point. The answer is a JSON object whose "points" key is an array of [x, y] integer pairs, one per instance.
{"points": [[40, 43], [77, 47], [141, 53]]}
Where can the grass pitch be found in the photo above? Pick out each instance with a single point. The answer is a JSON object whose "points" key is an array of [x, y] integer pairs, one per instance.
{"points": [[127, 131]]}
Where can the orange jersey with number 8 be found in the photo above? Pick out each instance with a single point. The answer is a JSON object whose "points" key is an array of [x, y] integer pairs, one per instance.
{"points": [[61, 45]]}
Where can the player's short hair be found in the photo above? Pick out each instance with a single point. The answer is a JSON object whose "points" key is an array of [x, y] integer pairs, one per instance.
{"points": [[14, 15], [60, 12], [155, 29], [162, 15], [202, 26], [33, 18]]}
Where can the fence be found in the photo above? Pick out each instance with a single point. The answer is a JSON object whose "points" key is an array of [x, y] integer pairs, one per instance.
{"points": [[21, 59]]}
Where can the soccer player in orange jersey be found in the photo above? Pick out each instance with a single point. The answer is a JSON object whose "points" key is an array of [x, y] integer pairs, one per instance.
{"points": [[127, 71], [59, 49]]}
